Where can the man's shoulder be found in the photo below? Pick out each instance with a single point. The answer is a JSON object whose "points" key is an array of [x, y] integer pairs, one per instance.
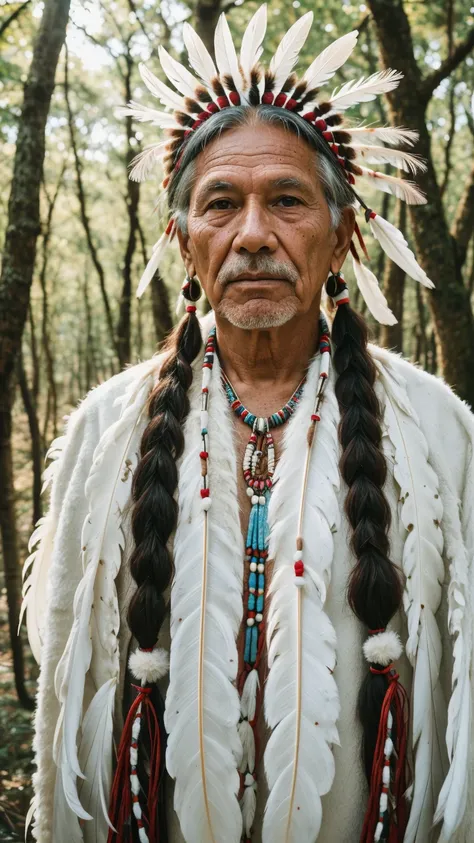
{"points": [[446, 420]]}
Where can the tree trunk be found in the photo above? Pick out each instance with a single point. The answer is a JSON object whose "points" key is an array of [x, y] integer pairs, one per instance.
{"points": [[133, 195], [450, 302], [23, 228], [35, 436], [206, 15], [391, 336], [463, 225]]}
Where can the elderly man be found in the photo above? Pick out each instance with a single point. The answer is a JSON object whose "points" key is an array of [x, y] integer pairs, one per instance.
{"points": [[256, 514]]}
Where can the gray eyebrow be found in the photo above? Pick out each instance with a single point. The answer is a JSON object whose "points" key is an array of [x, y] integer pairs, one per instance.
{"points": [[284, 181], [288, 181]]}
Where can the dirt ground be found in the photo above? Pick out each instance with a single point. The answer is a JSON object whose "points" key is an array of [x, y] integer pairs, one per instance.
{"points": [[16, 758]]}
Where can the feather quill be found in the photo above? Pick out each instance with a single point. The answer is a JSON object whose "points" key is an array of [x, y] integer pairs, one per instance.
{"points": [[107, 490], [301, 697], [372, 294], [405, 190], [178, 75], [288, 51], [331, 59], [202, 706], [396, 248], [198, 54], [145, 114], [396, 157], [226, 56], [168, 97], [393, 135], [143, 163], [365, 89], [251, 47], [96, 762], [421, 513]]}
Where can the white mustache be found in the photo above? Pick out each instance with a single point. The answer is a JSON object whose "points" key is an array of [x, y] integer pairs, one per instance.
{"points": [[257, 264]]}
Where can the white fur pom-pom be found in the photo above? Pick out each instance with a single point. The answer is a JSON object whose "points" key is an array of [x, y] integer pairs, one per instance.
{"points": [[149, 667], [383, 648]]}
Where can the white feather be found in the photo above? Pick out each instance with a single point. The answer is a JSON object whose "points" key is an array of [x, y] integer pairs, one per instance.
{"points": [[248, 805], [65, 822], [201, 717], [372, 294], [167, 97], [178, 75], [96, 762], [143, 163], [365, 89], [396, 157], [421, 513], [396, 248], [247, 739], [198, 54], [159, 250], [309, 761], [393, 135], [249, 695], [405, 190], [288, 50], [251, 47], [226, 56], [145, 114], [331, 59], [107, 490]]}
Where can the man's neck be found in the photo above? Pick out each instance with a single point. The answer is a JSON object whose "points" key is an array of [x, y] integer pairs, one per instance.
{"points": [[265, 366]]}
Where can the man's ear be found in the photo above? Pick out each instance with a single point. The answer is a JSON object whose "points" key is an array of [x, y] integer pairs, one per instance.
{"points": [[183, 240], [344, 233]]}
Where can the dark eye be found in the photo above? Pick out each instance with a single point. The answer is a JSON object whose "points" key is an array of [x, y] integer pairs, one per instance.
{"points": [[289, 201], [220, 205]]}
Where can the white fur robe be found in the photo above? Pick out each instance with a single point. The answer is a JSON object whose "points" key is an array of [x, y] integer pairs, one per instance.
{"points": [[420, 413]]}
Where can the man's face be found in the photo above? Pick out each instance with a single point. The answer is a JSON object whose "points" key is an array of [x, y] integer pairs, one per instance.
{"points": [[259, 230]]}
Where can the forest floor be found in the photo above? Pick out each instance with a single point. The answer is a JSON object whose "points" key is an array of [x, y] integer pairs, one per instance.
{"points": [[16, 732]]}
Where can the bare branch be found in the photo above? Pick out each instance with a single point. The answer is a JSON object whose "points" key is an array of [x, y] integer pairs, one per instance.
{"points": [[14, 15], [459, 53]]}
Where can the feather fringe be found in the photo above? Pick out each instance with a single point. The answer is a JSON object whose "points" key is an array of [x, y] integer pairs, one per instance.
{"points": [[168, 98], [288, 51], [96, 761], [396, 248], [405, 190], [421, 513], [143, 163], [204, 749], [107, 490], [181, 78], [251, 47], [395, 157], [226, 56], [198, 54], [314, 716], [365, 89], [145, 114], [153, 264], [324, 66], [372, 294], [393, 135]]}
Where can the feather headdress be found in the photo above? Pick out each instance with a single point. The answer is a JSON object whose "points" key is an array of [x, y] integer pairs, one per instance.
{"points": [[241, 80]]}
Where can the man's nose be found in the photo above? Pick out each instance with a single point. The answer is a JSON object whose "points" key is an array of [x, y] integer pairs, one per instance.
{"points": [[255, 230]]}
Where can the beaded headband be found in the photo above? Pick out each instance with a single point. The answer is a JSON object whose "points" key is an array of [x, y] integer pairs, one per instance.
{"points": [[241, 80]]}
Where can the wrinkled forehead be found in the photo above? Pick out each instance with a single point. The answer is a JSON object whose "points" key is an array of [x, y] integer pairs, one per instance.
{"points": [[257, 157]]}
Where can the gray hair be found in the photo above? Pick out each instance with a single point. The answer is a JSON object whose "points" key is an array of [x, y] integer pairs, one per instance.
{"points": [[336, 189]]}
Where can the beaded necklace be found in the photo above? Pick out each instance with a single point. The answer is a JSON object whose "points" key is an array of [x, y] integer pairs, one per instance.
{"points": [[259, 480]]}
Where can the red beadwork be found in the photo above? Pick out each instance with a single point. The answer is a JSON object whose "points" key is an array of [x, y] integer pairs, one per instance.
{"points": [[267, 98], [223, 102], [280, 99], [291, 104], [234, 98], [212, 108], [328, 136], [299, 568], [205, 493], [191, 308], [204, 455], [309, 115], [320, 124], [315, 417]]}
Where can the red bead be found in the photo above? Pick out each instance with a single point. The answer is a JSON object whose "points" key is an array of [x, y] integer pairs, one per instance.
{"points": [[205, 493], [299, 568], [191, 308], [280, 100], [223, 102], [327, 136], [291, 104], [251, 614], [315, 417], [234, 98], [187, 133], [204, 455], [268, 98], [212, 108], [320, 124], [309, 115]]}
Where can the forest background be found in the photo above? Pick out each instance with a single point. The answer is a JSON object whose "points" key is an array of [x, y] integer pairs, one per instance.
{"points": [[76, 234]]}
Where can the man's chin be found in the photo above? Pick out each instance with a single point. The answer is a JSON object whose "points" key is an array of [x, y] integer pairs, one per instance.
{"points": [[258, 314]]}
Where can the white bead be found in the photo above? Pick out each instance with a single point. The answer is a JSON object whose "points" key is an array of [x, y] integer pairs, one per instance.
{"points": [[260, 567], [137, 810], [261, 500], [204, 418], [253, 566], [249, 780], [134, 784], [133, 756], [252, 590], [260, 591], [250, 621], [259, 617], [388, 748], [254, 499], [386, 776], [206, 378], [378, 832], [383, 802], [298, 556], [249, 491], [141, 831], [206, 504], [299, 582], [136, 728]]}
